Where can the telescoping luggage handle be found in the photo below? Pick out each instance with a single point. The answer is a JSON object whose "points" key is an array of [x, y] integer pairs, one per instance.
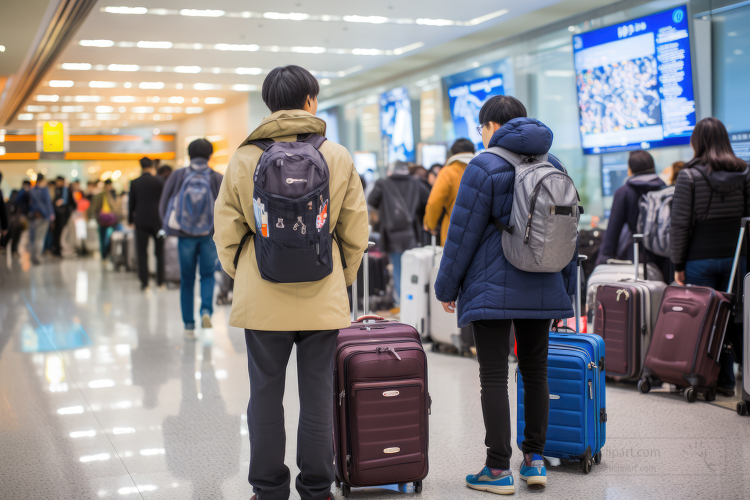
{"points": [[366, 288], [576, 300], [637, 239], [735, 264]]}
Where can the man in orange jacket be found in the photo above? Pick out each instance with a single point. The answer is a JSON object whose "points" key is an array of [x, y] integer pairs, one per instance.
{"points": [[444, 192]]}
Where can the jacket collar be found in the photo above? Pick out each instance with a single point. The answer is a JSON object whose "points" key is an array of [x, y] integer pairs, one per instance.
{"points": [[464, 158], [198, 163], [523, 136], [286, 123]]}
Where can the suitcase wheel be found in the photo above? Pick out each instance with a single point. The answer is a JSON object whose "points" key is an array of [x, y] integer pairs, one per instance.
{"points": [[346, 490], [644, 385], [742, 408], [690, 394], [435, 347], [709, 395], [598, 458], [418, 487], [586, 465]]}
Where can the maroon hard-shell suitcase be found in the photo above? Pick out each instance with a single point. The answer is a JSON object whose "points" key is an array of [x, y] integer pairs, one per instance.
{"points": [[381, 403], [688, 340]]}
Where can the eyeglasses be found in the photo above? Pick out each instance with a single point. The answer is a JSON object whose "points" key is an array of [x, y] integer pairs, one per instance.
{"points": [[479, 129]]}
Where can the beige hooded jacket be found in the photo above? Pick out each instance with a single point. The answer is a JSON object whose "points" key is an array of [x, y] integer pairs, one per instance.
{"points": [[258, 304]]}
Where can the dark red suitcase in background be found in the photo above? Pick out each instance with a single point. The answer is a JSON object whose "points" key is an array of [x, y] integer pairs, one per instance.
{"points": [[381, 431], [689, 336]]}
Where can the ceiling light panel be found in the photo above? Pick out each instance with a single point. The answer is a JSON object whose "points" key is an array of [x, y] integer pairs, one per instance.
{"points": [[154, 45], [151, 85], [142, 109], [76, 66], [102, 85], [176, 100], [122, 98], [61, 83], [300, 16], [123, 67], [47, 98], [96, 43], [212, 100], [186, 69], [193, 110]]}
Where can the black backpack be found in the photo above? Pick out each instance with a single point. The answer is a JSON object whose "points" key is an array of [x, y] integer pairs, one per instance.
{"points": [[291, 204]]}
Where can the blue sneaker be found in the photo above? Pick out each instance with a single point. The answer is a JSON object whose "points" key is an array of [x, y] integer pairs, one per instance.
{"points": [[533, 470], [498, 481]]}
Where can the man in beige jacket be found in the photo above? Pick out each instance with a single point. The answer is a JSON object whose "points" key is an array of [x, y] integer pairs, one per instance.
{"points": [[276, 316]]}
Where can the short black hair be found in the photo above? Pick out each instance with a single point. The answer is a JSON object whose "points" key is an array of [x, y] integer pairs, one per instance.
{"points": [[164, 169], [146, 162], [436, 166], [641, 161], [288, 87], [39, 177], [60, 178], [501, 109], [108, 181], [200, 148], [26, 183], [462, 146]]}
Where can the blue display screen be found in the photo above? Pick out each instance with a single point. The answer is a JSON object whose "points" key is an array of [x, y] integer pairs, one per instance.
{"points": [[635, 84], [466, 99], [396, 124]]}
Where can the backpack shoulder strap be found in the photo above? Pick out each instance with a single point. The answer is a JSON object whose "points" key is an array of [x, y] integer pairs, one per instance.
{"points": [[263, 144], [314, 140], [515, 159]]}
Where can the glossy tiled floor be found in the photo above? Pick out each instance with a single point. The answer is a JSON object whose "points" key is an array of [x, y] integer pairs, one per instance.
{"points": [[100, 397]]}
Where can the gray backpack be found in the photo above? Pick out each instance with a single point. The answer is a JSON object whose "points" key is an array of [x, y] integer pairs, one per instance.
{"points": [[543, 229], [655, 220]]}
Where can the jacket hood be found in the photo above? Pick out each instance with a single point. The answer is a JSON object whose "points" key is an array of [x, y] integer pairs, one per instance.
{"points": [[464, 158], [198, 163], [646, 182], [721, 181], [286, 123], [523, 136]]}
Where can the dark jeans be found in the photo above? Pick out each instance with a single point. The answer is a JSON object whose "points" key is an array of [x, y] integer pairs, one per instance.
{"points": [[105, 235], [142, 234], [493, 346], [714, 273], [199, 251], [268, 354], [62, 216]]}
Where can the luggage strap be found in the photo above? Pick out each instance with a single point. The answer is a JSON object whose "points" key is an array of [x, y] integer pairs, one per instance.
{"points": [[250, 232], [501, 227]]}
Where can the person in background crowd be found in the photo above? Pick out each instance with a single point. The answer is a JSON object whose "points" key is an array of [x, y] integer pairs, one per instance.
{"points": [[143, 212], [398, 199], [18, 209], [711, 195], [65, 205], [164, 172], [676, 169], [493, 295], [194, 251], [618, 240], [4, 223], [105, 209], [279, 315], [432, 174], [419, 172], [40, 213], [445, 190]]}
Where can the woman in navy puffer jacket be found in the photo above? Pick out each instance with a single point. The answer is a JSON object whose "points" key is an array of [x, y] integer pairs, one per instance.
{"points": [[492, 294]]}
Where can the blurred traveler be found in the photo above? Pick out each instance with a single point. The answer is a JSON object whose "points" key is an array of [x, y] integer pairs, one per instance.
{"points": [[276, 316], [399, 198], [712, 194], [419, 172], [433, 173], [676, 169], [493, 295], [65, 205], [143, 212], [18, 209], [618, 240], [105, 208], [4, 223], [164, 172], [186, 211], [40, 213], [445, 190]]}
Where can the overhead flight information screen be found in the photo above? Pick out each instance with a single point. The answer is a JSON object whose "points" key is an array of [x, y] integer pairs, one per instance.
{"points": [[635, 84]]}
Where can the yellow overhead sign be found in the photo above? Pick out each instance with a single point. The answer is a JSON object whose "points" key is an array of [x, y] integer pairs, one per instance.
{"points": [[53, 137]]}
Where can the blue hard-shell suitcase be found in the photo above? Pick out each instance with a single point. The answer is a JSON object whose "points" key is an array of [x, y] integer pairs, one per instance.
{"points": [[578, 416]]}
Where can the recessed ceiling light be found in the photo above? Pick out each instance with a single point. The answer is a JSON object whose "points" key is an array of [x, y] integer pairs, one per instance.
{"points": [[2, 48], [170, 109], [151, 85], [76, 66], [126, 10], [195, 100], [248, 71], [243, 87], [291, 16], [96, 43], [435, 22], [35, 109], [156, 130], [237, 47], [193, 110], [325, 81], [61, 83], [154, 45], [142, 109], [176, 100], [72, 109], [123, 67], [202, 12], [366, 19], [107, 116], [187, 69], [155, 99], [309, 50], [206, 86], [157, 117], [87, 98], [104, 109], [25, 116], [47, 98], [127, 85], [102, 85], [214, 100], [122, 98], [179, 86], [122, 109]]}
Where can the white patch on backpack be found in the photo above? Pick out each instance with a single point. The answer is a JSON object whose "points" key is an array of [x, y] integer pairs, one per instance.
{"points": [[292, 181], [280, 224]]}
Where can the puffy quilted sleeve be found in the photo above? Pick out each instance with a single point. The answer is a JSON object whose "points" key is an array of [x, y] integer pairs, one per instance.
{"points": [[682, 218], [469, 220]]}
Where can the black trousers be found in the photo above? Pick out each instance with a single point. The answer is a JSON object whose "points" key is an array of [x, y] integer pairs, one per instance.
{"points": [[62, 216], [493, 346], [268, 354], [142, 234]]}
